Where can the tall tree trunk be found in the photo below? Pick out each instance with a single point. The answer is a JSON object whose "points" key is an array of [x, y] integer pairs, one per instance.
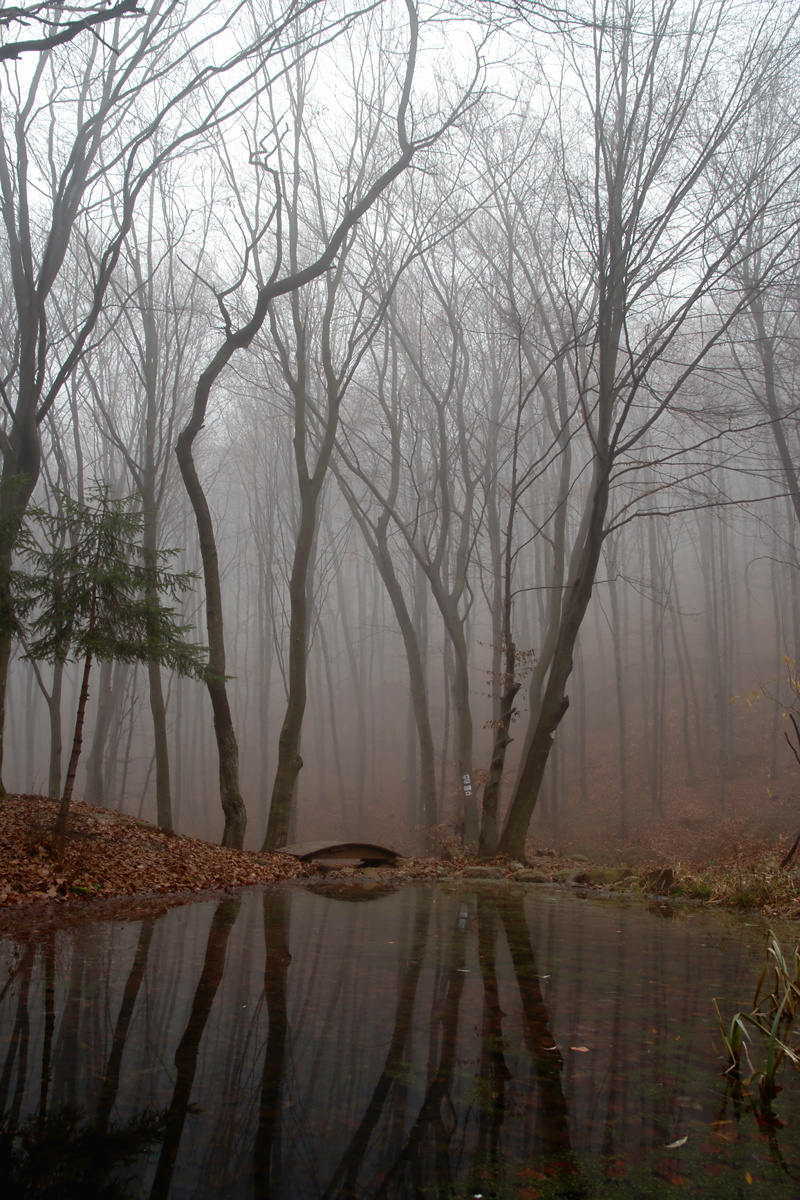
{"points": [[54, 712], [159, 713], [619, 677], [227, 746], [289, 759], [555, 702]]}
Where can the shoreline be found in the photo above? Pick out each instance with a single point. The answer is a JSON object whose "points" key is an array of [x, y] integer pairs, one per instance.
{"points": [[112, 866]]}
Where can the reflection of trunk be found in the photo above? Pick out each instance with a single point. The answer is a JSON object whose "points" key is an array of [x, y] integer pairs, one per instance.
{"points": [[187, 1051], [552, 1111], [76, 1008], [277, 909], [344, 1181], [616, 1057], [108, 1094], [437, 1093], [49, 955], [18, 1042], [493, 1071]]}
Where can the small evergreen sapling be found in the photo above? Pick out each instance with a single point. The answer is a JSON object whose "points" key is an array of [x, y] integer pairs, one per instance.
{"points": [[88, 590]]}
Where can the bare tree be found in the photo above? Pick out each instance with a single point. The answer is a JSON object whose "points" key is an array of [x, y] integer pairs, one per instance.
{"points": [[301, 224], [155, 346], [54, 29], [662, 94], [82, 132]]}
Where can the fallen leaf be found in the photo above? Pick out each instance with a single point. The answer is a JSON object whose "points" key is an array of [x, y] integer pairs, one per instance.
{"points": [[580, 1049], [675, 1145]]}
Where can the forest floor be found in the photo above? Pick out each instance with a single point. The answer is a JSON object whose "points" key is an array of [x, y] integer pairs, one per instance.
{"points": [[113, 865]]}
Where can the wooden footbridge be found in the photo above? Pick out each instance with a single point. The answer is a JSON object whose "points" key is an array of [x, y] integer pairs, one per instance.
{"points": [[362, 854]]}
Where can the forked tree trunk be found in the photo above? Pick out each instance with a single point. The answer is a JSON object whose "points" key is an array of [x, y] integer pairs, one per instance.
{"points": [[555, 701]]}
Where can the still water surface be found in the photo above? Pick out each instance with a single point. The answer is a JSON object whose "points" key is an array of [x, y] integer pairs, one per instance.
{"points": [[492, 1042]]}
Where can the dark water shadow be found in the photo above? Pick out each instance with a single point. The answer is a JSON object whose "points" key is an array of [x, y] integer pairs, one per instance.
{"points": [[432, 1042]]}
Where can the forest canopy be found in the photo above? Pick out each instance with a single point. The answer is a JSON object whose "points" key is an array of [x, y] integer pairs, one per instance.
{"points": [[455, 348]]}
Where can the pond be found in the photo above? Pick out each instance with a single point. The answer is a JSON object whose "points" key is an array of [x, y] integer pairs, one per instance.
{"points": [[354, 1041]]}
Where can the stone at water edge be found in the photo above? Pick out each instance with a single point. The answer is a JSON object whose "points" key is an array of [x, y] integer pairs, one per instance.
{"points": [[573, 877], [484, 872], [530, 875], [608, 876]]}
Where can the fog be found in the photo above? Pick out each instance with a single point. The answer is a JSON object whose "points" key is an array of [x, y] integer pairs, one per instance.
{"points": [[483, 384]]}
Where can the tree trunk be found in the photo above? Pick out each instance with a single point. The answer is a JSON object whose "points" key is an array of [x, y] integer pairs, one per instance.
{"points": [[289, 759], [54, 711], [21, 462], [619, 677], [555, 701], [227, 747], [77, 740], [159, 713]]}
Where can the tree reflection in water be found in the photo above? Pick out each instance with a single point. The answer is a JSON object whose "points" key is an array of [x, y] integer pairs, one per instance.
{"points": [[434, 1042]]}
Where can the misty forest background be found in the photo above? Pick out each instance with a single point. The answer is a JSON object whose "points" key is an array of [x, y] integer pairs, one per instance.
{"points": [[476, 329]]}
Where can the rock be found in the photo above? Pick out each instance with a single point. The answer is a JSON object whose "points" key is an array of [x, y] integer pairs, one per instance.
{"points": [[481, 872], [608, 876], [529, 875], [578, 877], [579, 858], [516, 866], [660, 881]]}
